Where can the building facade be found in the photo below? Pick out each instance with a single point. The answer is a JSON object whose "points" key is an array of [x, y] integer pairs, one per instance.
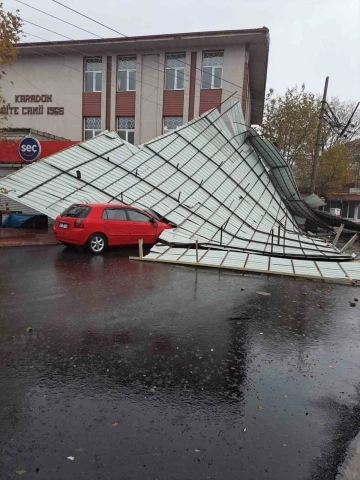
{"points": [[347, 201], [140, 87]]}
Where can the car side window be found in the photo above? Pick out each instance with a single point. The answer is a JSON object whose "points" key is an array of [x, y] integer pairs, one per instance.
{"points": [[136, 216], [114, 214]]}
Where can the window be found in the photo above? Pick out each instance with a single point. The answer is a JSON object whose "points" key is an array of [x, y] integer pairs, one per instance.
{"points": [[126, 76], [171, 123], [92, 74], [114, 214], [174, 71], [76, 211], [351, 210], [126, 128], [344, 209], [212, 69], [136, 216], [92, 127]]}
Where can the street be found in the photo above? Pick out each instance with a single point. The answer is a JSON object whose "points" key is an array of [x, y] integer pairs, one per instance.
{"points": [[135, 370]]}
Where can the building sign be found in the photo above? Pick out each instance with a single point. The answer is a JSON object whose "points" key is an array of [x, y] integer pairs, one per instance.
{"points": [[39, 109], [29, 149]]}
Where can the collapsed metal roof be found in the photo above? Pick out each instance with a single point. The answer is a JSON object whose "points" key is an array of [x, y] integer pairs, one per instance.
{"points": [[225, 187]]}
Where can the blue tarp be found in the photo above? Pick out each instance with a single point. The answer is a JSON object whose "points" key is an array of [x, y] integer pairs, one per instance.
{"points": [[16, 220]]}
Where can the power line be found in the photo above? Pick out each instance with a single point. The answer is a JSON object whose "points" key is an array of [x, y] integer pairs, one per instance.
{"points": [[197, 82], [126, 36], [84, 53], [41, 91], [123, 35], [144, 99], [343, 131], [48, 30], [53, 16], [81, 71]]}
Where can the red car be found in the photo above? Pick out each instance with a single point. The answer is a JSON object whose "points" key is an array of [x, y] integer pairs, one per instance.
{"points": [[99, 225]]}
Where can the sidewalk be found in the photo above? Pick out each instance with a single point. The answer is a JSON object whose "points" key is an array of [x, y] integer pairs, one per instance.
{"points": [[18, 237]]}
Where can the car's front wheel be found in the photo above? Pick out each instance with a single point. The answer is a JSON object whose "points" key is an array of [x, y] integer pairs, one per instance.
{"points": [[97, 243]]}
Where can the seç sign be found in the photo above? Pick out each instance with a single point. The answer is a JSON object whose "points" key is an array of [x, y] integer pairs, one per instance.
{"points": [[29, 149]]}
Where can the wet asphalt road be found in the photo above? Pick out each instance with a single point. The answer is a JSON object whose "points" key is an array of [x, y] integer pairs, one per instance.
{"points": [[148, 371]]}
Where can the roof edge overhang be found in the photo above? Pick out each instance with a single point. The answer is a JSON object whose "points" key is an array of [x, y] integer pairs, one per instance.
{"points": [[146, 38], [258, 66]]}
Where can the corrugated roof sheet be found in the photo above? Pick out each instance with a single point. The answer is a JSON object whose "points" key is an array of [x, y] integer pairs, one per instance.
{"points": [[209, 177]]}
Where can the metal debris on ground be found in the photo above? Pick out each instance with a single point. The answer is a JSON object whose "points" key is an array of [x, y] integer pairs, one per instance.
{"points": [[229, 191]]}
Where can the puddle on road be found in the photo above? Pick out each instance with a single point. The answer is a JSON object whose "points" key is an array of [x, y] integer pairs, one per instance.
{"points": [[193, 366]]}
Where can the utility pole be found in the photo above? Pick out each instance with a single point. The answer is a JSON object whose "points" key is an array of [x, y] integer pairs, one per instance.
{"points": [[318, 138]]}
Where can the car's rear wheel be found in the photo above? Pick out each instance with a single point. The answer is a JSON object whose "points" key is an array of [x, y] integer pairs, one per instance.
{"points": [[97, 243]]}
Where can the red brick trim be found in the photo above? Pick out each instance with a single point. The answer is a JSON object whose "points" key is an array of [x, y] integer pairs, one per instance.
{"points": [[108, 92], [209, 98], [173, 103], [192, 85], [91, 104], [125, 104]]}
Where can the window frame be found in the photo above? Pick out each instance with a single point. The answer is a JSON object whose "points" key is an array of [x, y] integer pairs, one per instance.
{"points": [[94, 74], [213, 67], [91, 129], [81, 211], [351, 208], [166, 130], [176, 69], [150, 219], [126, 130], [115, 219], [127, 70]]}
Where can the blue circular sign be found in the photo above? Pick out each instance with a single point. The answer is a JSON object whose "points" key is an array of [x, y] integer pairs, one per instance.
{"points": [[29, 149]]}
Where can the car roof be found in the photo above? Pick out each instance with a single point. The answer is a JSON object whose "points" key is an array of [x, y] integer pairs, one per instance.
{"points": [[104, 205]]}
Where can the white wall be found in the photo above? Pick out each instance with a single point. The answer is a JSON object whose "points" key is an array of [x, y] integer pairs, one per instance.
{"points": [[233, 74], [34, 75], [38, 75], [149, 98]]}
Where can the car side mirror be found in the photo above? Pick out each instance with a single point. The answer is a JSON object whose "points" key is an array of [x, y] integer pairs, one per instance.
{"points": [[154, 222]]}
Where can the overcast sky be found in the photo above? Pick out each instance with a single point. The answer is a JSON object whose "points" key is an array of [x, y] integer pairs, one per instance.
{"points": [[309, 39]]}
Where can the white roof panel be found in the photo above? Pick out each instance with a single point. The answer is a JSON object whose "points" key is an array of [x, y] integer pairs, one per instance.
{"points": [[217, 180]]}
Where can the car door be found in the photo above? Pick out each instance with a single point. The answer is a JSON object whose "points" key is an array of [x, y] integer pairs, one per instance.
{"points": [[142, 226], [116, 226]]}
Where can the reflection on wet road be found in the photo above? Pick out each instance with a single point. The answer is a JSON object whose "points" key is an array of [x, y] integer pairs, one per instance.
{"points": [[148, 371]]}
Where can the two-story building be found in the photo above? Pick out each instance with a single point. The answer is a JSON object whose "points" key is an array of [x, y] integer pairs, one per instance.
{"points": [[140, 87], [68, 91]]}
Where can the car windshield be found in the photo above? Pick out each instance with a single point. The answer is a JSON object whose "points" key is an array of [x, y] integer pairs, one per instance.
{"points": [[159, 217], [77, 211], [152, 213]]}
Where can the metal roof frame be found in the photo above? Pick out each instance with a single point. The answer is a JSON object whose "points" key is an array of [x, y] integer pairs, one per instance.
{"points": [[225, 187]]}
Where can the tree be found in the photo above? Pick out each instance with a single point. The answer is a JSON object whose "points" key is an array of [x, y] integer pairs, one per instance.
{"points": [[290, 121], [10, 30], [335, 169]]}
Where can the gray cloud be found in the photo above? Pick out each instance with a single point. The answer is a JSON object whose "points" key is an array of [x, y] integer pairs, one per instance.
{"points": [[309, 38]]}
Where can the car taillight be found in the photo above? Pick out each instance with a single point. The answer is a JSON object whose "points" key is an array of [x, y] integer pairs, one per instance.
{"points": [[79, 223]]}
